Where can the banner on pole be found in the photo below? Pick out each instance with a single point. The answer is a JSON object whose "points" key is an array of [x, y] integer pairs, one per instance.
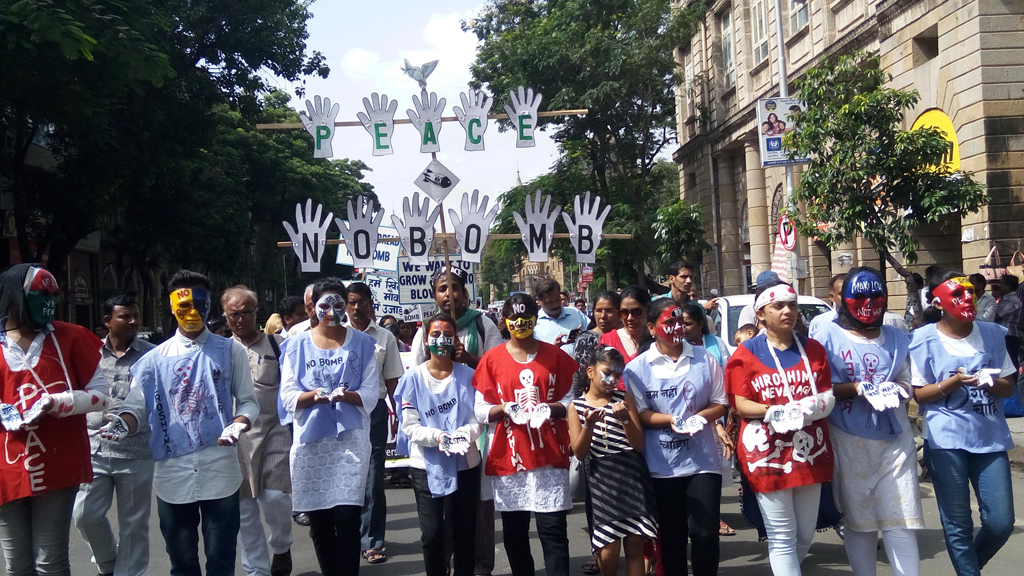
{"points": [[385, 257], [773, 123], [385, 294], [414, 281]]}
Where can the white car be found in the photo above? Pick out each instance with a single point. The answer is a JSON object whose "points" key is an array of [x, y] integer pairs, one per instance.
{"points": [[727, 315]]}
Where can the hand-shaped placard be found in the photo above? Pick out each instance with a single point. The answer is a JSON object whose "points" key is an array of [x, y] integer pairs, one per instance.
{"points": [[523, 115], [379, 122], [427, 119], [417, 231], [472, 229], [360, 232], [309, 237], [320, 124], [474, 118], [539, 227], [585, 232]]}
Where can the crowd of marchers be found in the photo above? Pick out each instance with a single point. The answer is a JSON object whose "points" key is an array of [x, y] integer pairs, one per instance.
{"points": [[639, 410]]}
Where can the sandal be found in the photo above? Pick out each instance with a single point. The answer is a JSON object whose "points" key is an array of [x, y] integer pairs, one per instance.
{"points": [[724, 529], [590, 567], [375, 556]]}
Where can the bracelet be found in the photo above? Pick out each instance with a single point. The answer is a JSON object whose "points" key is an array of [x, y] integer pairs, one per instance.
{"points": [[940, 389], [585, 427]]}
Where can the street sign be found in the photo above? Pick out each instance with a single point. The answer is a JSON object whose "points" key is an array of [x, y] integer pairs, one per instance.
{"points": [[586, 274], [787, 233], [773, 123]]}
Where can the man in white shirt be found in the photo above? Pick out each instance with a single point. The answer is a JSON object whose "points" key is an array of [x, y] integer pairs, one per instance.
{"points": [[292, 311], [389, 369], [835, 298], [557, 324], [196, 393]]}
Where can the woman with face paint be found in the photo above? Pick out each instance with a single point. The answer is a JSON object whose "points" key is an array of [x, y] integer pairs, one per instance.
{"points": [[329, 386], [679, 393], [633, 310], [48, 381], [961, 372], [875, 474], [525, 387], [606, 436], [437, 418], [781, 385]]}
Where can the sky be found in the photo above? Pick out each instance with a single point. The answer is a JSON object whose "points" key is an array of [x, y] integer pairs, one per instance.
{"points": [[365, 44]]}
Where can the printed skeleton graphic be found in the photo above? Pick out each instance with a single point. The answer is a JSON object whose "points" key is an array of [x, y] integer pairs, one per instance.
{"points": [[528, 398], [189, 400], [755, 439]]}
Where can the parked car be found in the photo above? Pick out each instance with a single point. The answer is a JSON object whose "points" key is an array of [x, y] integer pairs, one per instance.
{"points": [[727, 316]]}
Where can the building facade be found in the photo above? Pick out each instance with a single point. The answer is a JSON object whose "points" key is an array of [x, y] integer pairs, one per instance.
{"points": [[964, 57]]}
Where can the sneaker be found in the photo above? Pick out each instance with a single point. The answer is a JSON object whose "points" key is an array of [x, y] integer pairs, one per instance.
{"points": [[281, 565], [302, 519]]}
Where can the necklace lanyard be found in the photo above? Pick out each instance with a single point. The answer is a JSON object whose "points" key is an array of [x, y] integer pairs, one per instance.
{"points": [[60, 357], [782, 373]]}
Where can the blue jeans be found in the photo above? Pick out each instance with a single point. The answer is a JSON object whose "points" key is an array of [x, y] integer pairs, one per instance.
{"points": [[220, 520], [375, 505], [954, 472]]}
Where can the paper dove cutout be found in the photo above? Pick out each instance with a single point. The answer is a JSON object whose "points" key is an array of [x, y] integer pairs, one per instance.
{"points": [[538, 228], [436, 181], [472, 229], [319, 122], [417, 231], [585, 232], [360, 232], [309, 236], [523, 115], [419, 73]]}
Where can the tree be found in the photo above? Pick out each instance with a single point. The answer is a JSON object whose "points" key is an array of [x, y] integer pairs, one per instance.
{"points": [[614, 58], [866, 176]]}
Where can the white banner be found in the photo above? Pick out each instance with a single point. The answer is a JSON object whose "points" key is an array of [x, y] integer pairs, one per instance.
{"points": [[385, 257], [414, 281]]}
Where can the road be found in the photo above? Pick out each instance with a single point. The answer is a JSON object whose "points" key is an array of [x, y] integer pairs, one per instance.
{"points": [[742, 555]]}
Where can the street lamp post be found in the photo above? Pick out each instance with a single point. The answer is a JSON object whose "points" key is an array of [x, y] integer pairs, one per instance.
{"points": [[784, 93]]}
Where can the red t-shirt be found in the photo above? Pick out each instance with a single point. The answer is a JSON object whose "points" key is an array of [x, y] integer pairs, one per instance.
{"points": [[499, 378], [54, 453], [771, 461]]}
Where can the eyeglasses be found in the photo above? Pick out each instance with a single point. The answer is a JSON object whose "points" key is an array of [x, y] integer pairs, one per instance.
{"points": [[629, 312], [236, 316]]}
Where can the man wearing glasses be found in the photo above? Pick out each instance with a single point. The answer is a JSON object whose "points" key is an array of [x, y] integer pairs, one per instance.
{"points": [[263, 451]]}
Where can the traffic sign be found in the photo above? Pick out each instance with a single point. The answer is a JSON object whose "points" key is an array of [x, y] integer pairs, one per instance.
{"points": [[787, 233]]}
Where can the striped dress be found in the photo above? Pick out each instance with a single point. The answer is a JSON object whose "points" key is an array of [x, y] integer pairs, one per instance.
{"points": [[620, 486]]}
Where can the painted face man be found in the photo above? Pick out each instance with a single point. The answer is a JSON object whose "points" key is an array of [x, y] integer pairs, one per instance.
{"points": [[956, 297], [191, 306], [520, 326]]}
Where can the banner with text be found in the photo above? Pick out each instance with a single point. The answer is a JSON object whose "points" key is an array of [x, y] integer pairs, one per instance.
{"points": [[414, 281]]}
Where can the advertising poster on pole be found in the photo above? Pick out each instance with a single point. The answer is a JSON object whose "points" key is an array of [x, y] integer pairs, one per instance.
{"points": [[773, 123]]}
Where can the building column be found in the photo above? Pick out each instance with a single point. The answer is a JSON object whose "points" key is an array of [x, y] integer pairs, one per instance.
{"points": [[757, 207], [732, 255]]}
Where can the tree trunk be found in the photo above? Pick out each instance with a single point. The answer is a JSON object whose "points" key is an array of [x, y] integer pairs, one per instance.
{"points": [[908, 278]]}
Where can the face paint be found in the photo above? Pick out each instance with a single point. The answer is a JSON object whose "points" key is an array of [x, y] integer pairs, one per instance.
{"points": [[610, 377], [865, 299], [330, 310], [669, 327], [40, 296], [440, 339], [521, 328], [956, 296], [191, 306]]}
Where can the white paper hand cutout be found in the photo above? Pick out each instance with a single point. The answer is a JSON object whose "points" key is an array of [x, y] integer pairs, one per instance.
{"points": [[540, 414], [689, 426], [115, 429], [985, 377], [523, 115], [785, 418], [453, 445], [309, 236], [515, 413], [472, 229], [585, 232], [882, 396], [427, 119], [360, 232], [417, 231], [36, 412], [320, 124], [379, 122], [474, 118], [10, 417], [539, 227], [229, 437]]}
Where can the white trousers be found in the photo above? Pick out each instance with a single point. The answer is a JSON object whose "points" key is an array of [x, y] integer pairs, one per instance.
{"points": [[277, 509], [900, 546], [790, 517]]}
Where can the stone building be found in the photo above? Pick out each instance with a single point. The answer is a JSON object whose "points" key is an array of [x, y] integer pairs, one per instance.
{"points": [[964, 57]]}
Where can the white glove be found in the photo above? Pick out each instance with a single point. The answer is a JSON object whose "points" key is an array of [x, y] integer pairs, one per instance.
{"points": [[472, 229], [689, 426], [360, 232], [320, 124], [585, 232], [541, 413], [379, 122], [417, 231], [523, 115], [10, 417], [474, 118], [515, 413], [784, 419], [309, 233], [229, 437], [36, 411], [539, 227], [115, 429], [427, 119]]}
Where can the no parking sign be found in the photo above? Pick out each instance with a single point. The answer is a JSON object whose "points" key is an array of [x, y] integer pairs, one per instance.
{"points": [[787, 233]]}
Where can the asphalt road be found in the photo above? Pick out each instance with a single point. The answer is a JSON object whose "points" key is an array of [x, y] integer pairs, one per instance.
{"points": [[742, 555]]}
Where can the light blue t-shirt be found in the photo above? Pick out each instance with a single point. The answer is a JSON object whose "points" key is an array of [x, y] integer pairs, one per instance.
{"points": [[550, 328]]}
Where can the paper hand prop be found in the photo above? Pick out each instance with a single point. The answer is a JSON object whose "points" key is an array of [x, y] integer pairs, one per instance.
{"points": [[585, 232], [453, 445], [320, 124], [379, 122], [539, 227], [332, 396], [523, 115], [417, 231], [689, 426], [229, 437], [10, 417], [115, 429], [36, 412], [515, 413], [785, 418], [360, 232], [882, 396], [984, 377], [472, 229], [309, 226], [427, 119], [474, 118], [540, 414]]}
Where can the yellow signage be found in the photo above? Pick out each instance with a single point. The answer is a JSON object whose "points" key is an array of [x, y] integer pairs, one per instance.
{"points": [[936, 118]]}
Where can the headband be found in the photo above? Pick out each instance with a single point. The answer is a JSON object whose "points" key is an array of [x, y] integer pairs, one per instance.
{"points": [[777, 293], [460, 275]]}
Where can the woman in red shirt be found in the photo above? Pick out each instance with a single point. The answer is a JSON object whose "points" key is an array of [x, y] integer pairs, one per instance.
{"points": [[633, 309]]}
